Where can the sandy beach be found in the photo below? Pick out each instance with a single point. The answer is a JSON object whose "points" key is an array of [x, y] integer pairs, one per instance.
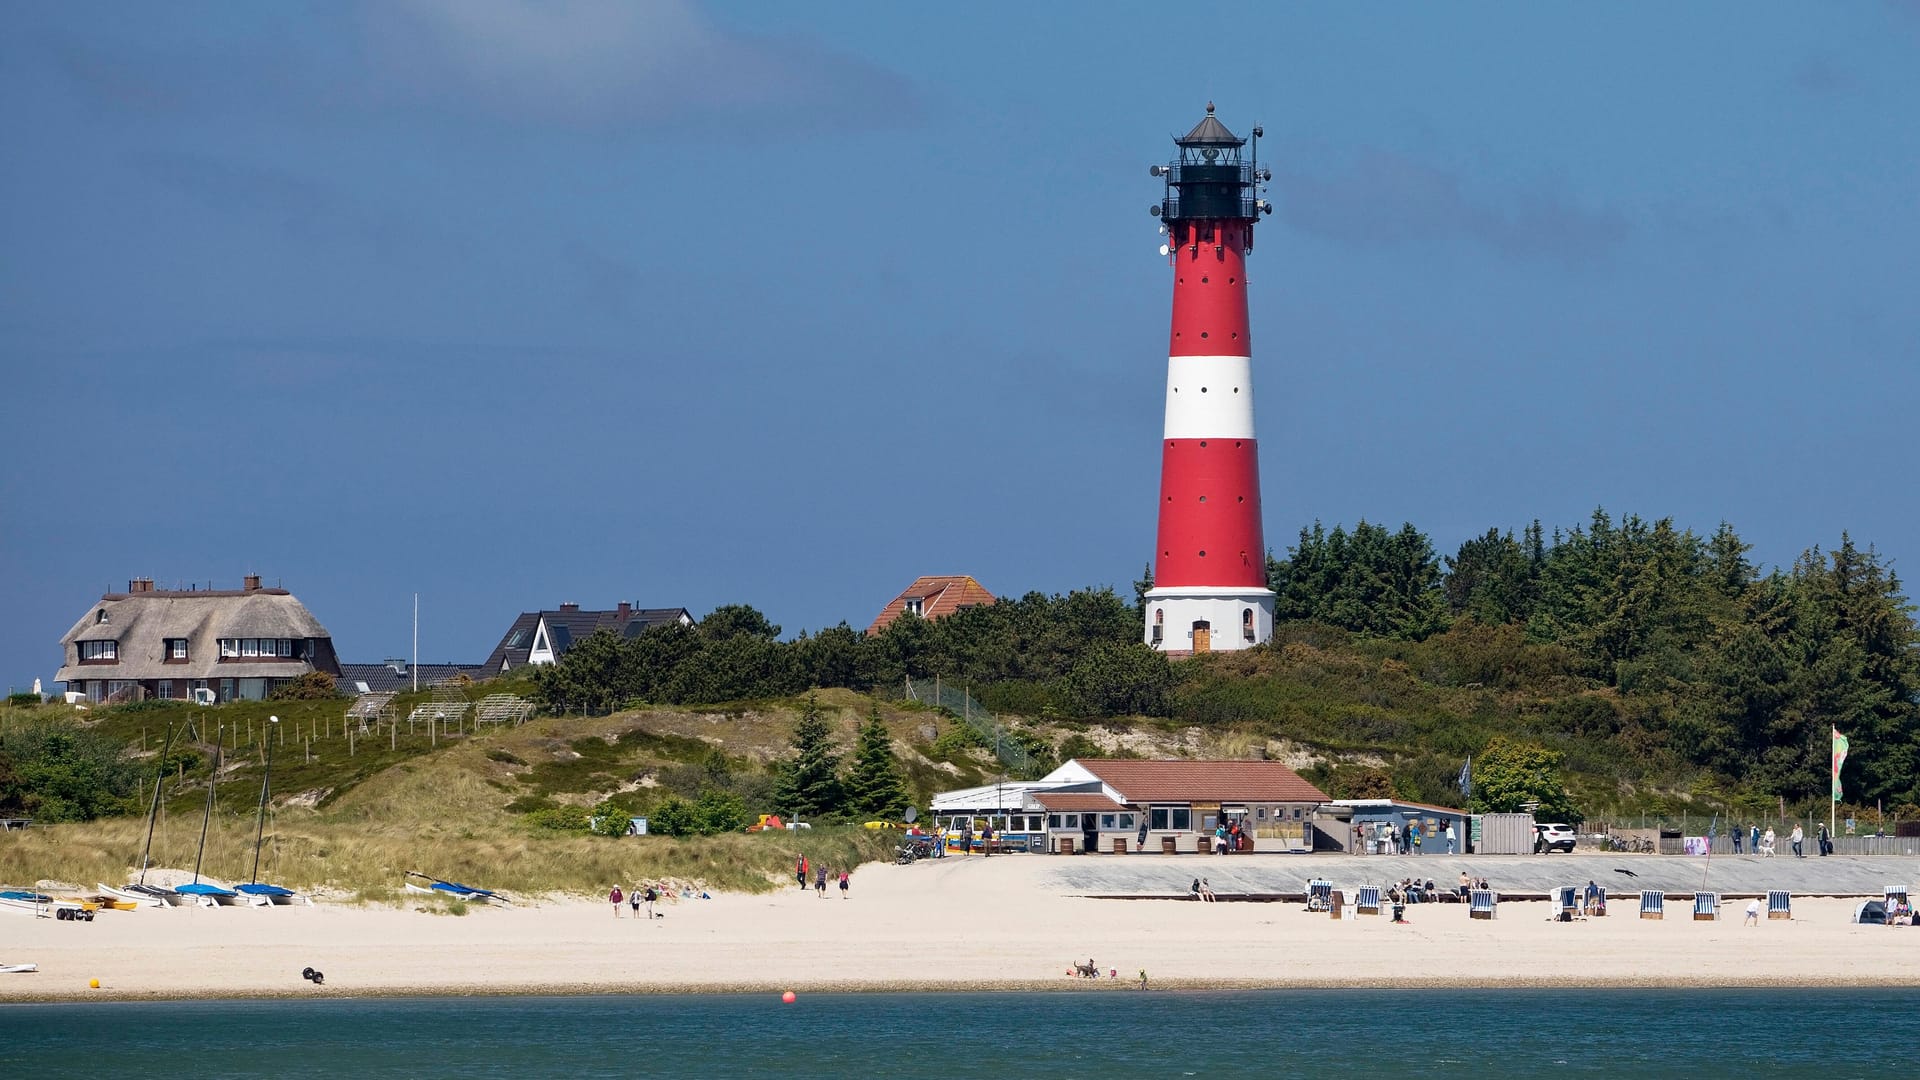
{"points": [[958, 923]]}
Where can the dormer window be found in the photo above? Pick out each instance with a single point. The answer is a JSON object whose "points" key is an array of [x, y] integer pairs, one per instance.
{"points": [[177, 648], [97, 651], [100, 616], [917, 606]]}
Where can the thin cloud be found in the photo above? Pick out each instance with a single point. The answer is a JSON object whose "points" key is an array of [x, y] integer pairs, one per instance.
{"points": [[658, 66], [595, 64], [1384, 199]]}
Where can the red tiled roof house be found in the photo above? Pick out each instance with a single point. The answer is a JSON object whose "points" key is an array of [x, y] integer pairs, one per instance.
{"points": [[932, 597]]}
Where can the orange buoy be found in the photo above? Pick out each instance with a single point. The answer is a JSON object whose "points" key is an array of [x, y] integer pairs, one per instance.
{"points": [[786, 997]]}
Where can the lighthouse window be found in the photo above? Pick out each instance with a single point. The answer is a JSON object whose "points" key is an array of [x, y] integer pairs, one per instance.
{"points": [[1246, 623], [1203, 333], [1203, 554], [1203, 444], [1203, 498], [1203, 389], [1203, 281]]}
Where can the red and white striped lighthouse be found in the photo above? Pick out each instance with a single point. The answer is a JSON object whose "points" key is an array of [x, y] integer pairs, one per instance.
{"points": [[1210, 566]]}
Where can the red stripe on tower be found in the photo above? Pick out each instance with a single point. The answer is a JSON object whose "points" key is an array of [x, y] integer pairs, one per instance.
{"points": [[1210, 589]]}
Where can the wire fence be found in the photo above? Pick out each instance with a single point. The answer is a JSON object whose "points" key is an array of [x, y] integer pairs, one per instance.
{"points": [[1008, 751]]}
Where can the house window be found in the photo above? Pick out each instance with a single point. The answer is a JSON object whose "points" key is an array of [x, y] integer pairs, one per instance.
{"points": [[176, 650], [1126, 822], [100, 616], [517, 639], [283, 647], [226, 689], [917, 606], [1053, 821], [99, 650], [164, 690], [1106, 822], [1073, 821], [1177, 818], [229, 648]]}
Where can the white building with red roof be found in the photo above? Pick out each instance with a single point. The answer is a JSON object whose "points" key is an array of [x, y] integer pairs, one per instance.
{"points": [[1121, 805]]}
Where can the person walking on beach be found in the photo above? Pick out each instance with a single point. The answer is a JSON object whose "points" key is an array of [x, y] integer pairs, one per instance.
{"points": [[986, 839], [1413, 839], [1753, 838], [1737, 833], [845, 875], [653, 897], [1797, 840], [966, 838], [633, 899], [820, 882], [616, 898], [1753, 913], [1766, 844], [1826, 842], [800, 871], [1450, 838]]}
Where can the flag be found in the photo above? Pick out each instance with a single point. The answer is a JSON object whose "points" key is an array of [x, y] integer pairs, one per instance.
{"points": [[1466, 779], [1839, 758]]}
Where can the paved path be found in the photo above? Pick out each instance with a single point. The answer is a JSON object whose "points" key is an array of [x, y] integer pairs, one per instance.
{"points": [[1162, 875]]}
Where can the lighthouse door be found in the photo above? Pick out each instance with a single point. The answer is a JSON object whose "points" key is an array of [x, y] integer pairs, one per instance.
{"points": [[1202, 637]]}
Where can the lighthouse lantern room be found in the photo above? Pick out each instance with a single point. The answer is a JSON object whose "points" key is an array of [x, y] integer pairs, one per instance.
{"points": [[1210, 581]]}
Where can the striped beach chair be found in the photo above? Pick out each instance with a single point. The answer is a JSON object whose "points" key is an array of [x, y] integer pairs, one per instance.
{"points": [[1319, 894], [1779, 904], [1565, 904], [1896, 894], [1706, 906], [1653, 904], [1367, 901], [1597, 907], [1482, 904]]}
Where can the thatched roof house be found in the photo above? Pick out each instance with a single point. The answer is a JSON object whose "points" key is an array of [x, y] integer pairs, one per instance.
{"points": [[170, 643]]}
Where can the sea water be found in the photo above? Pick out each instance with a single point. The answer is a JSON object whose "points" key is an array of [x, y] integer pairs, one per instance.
{"points": [[1831, 1034]]}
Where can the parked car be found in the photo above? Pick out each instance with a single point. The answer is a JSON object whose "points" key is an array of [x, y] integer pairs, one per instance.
{"points": [[1552, 836]]}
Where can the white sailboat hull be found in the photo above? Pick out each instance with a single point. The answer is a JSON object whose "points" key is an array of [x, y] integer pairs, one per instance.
{"points": [[140, 899]]}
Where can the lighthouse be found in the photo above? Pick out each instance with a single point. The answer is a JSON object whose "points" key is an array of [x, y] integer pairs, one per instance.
{"points": [[1210, 565]]}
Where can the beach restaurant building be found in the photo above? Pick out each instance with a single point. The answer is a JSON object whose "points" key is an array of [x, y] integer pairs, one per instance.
{"points": [[1117, 806]]}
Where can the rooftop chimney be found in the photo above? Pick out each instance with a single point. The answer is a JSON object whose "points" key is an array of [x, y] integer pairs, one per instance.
{"points": [[251, 582], [624, 611], [569, 606], [140, 585]]}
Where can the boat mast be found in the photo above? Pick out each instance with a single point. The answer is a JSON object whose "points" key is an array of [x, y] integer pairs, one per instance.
{"points": [[153, 811], [260, 829], [212, 778]]}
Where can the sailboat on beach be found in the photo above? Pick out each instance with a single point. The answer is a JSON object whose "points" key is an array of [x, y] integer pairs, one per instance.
{"points": [[257, 893], [139, 893], [205, 893]]}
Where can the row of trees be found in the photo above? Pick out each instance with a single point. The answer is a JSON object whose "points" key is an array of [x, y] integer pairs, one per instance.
{"points": [[810, 783], [1728, 669], [1082, 651]]}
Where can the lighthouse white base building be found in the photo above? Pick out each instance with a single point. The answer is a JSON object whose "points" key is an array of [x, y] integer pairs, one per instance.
{"points": [[1208, 618]]}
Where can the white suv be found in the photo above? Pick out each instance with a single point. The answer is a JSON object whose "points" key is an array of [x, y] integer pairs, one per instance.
{"points": [[1552, 837]]}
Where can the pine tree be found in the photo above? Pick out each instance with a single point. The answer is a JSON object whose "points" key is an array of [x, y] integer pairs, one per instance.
{"points": [[809, 782], [875, 787]]}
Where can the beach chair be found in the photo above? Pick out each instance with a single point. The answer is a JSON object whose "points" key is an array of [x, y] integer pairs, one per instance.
{"points": [[1483, 903], [1597, 907], [1564, 903], [1319, 894], [1335, 902], [1896, 894], [1367, 900], [1779, 904], [1706, 907], [1653, 904]]}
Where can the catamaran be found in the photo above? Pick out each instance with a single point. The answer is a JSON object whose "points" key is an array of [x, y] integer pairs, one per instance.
{"points": [[255, 892], [42, 905], [139, 893], [205, 893], [436, 887]]}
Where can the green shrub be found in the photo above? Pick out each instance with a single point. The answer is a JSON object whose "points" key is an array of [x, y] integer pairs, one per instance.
{"points": [[719, 812], [673, 817], [504, 757]]}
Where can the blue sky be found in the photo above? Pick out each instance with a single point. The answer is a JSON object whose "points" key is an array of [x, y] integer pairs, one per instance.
{"points": [[516, 303]]}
